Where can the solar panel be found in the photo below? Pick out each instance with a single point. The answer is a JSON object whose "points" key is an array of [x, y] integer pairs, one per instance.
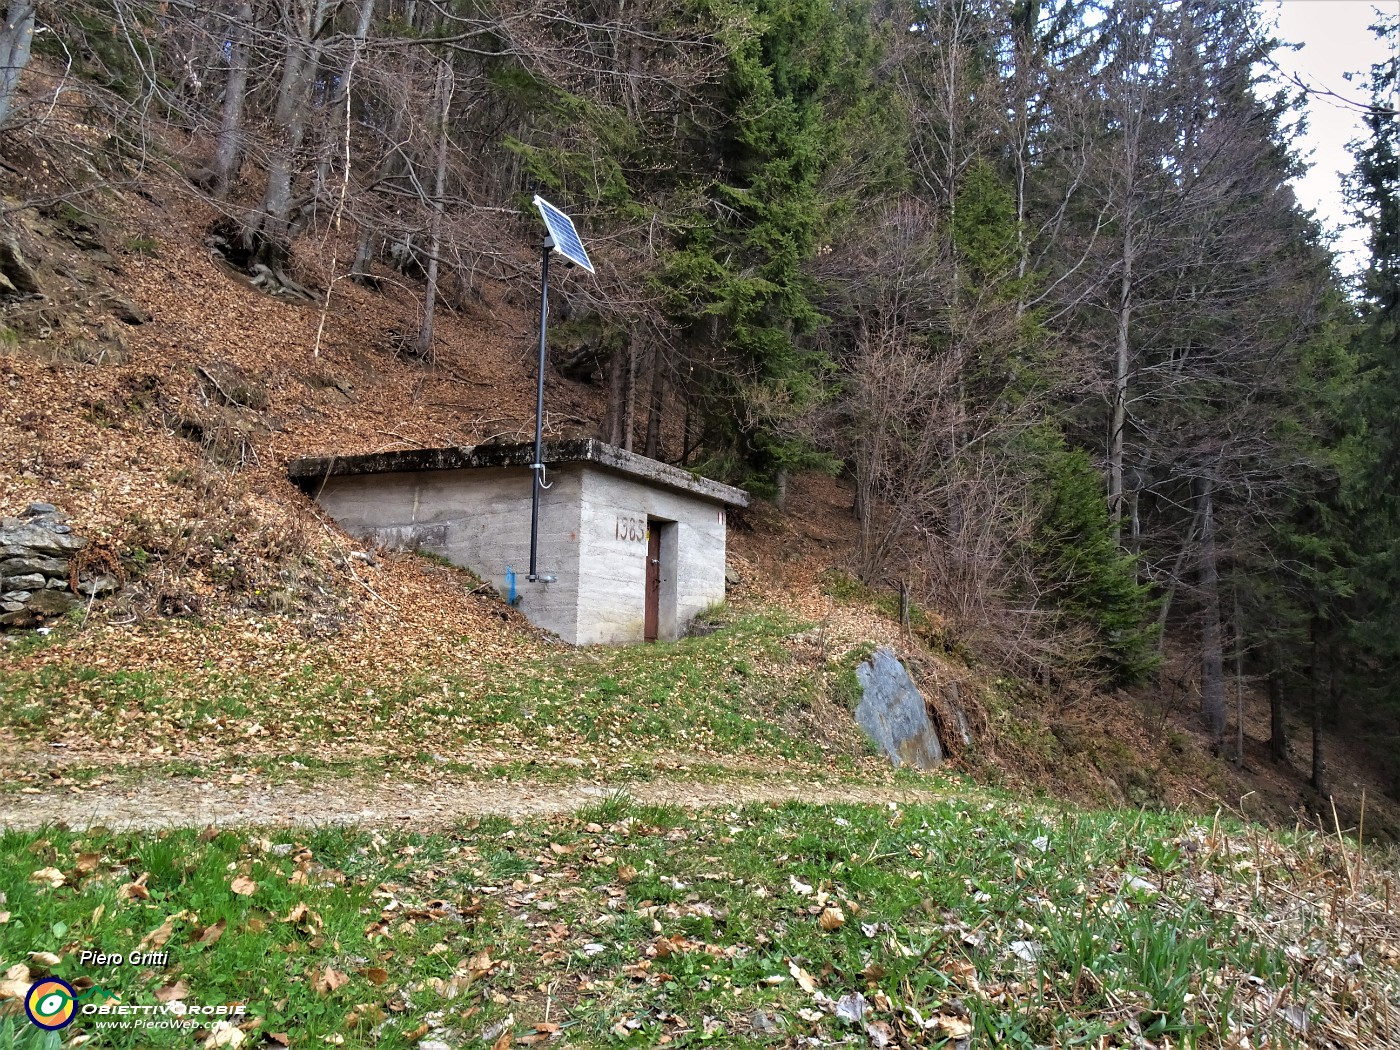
{"points": [[561, 228]]}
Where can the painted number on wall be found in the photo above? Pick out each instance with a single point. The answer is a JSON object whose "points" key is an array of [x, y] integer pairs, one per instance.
{"points": [[631, 528]]}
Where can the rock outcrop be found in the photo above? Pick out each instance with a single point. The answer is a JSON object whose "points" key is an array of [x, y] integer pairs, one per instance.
{"points": [[893, 712], [42, 575]]}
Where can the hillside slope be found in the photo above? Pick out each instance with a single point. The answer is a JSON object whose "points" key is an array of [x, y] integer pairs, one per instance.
{"points": [[155, 395]]}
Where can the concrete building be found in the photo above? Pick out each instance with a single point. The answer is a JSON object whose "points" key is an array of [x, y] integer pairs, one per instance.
{"points": [[629, 550]]}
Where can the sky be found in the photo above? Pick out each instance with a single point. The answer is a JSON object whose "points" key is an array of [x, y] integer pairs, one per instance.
{"points": [[1336, 40]]}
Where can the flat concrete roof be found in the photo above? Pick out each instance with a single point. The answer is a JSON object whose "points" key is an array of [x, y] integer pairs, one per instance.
{"points": [[306, 472]]}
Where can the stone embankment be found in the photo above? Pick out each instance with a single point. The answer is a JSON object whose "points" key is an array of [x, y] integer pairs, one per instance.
{"points": [[43, 572]]}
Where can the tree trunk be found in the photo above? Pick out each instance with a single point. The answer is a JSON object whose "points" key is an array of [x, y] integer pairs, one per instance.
{"points": [[1023, 33], [1212, 656], [388, 165], [340, 106], [658, 404], [629, 400], [1239, 683], [16, 39], [364, 255], [1321, 674], [1120, 383], [267, 231], [228, 154], [425, 334], [612, 416], [1278, 741], [685, 430]]}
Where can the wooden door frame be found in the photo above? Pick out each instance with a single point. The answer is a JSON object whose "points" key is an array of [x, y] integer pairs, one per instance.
{"points": [[651, 614]]}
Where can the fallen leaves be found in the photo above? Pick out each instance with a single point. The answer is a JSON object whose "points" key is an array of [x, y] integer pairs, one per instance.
{"points": [[947, 1026], [804, 980], [479, 965], [365, 1014], [329, 980], [500, 1034], [136, 890], [224, 1033], [158, 937], [544, 1032], [15, 984], [243, 886], [831, 918], [210, 935], [852, 1007], [52, 876], [449, 988], [170, 992]]}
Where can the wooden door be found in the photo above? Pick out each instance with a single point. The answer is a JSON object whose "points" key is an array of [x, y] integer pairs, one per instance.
{"points": [[653, 598]]}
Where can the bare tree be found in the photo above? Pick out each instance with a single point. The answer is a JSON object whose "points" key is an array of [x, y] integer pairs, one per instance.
{"points": [[228, 156], [444, 92], [16, 43]]}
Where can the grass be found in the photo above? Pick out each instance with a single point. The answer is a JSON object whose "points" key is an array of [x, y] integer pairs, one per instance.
{"points": [[633, 925], [847, 589], [704, 694]]}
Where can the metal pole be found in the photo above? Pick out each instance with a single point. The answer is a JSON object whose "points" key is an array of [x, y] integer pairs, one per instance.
{"points": [[538, 464]]}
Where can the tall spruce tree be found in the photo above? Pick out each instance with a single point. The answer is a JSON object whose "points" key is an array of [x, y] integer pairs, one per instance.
{"points": [[738, 282], [1373, 497]]}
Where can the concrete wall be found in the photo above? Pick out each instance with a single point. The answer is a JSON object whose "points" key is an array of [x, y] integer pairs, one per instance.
{"points": [[612, 557], [593, 525], [479, 518]]}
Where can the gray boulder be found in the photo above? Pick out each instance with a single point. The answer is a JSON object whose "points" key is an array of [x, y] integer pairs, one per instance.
{"points": [[30, 581], [34, 538], [103, 584], [893, 712], [50, 603], [34, 563]]}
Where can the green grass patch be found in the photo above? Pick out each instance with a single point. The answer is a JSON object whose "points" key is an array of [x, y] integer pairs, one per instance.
{"points": [[632, 925], [847, 589], [703, 694]]}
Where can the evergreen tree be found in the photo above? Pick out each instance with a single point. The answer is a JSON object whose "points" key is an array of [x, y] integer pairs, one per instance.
{"points": [[738, 282], [1372, 499]]}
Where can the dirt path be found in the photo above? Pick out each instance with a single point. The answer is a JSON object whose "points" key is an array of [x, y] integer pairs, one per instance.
{"points": [[152, 804]]}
